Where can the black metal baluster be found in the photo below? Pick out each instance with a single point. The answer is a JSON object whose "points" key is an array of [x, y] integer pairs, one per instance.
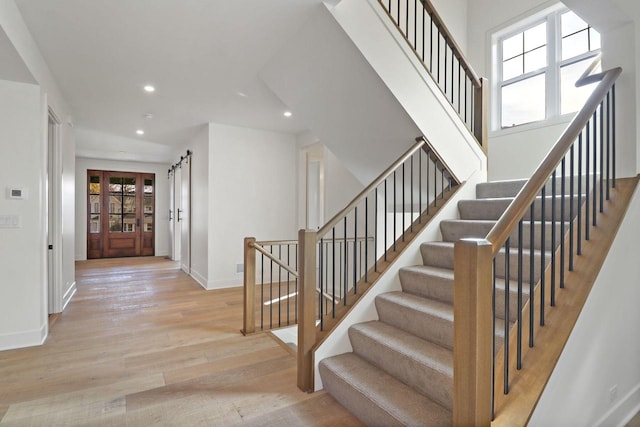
{"points": [[542, 254], [355, 251], [271, 289], [613, 131], [435, 182], [420, 185], [423, 31], [579, 206], [438, 64], [395, 213], [553, 239], [320, 283], [601, 156], [519, 313], [404, 206], [532, 282], [571, 201], [415, 25], [452, 74], [507, 274], [288, 283], [279, 287], [431, 44], [427, 181], [562, 220], [333, 270], [411, 198], [459, 83], [594, 215], [444, 90], [375, 233], [346, 265], [366, 242], [608, 144], [587, 183], [385, 219]]}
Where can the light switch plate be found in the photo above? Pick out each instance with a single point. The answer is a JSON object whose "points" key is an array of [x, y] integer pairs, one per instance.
{"points": [[10, 221]]}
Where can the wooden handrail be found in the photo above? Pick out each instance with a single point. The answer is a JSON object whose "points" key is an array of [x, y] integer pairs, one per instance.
{"points": [[275, 259], [586, 77], [276, 242], [449, 38], [516, 210], [421, 142]]}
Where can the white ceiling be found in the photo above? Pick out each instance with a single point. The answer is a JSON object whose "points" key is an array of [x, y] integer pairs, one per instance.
{"points": [[198, 53]]}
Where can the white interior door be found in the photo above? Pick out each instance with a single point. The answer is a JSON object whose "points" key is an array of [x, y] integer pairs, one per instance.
{"points": [[185, 216], [177, 225], [50, 214], [172, 201]]}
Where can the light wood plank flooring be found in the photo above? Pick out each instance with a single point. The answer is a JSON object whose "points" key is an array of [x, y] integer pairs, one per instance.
{"points": [[142, 344]]}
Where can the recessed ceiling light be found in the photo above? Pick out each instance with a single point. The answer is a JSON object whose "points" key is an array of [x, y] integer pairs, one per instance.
{"points": [[149, 88], [147, 116], [140, 132], [287, 114], [242, 94]]}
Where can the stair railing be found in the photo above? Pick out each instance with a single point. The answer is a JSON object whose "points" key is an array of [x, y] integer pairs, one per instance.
{"points": [[270, 284], [432, 42], [352, 250], [582, 164]]}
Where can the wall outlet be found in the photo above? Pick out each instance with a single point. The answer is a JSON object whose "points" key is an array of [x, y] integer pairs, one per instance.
{"points": [[613, 393], [239, 268]]}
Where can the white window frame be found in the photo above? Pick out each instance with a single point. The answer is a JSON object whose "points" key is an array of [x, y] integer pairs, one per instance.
{"points": [[552, 15]]}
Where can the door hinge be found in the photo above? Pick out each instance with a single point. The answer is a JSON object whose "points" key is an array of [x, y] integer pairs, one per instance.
{"points": [[50, 247]]}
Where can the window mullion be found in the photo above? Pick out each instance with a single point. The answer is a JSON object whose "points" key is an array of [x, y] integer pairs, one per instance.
{"points": [[553, 57]]}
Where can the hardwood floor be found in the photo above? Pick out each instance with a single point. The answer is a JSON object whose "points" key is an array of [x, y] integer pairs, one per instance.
{"points": [[142, 344]]}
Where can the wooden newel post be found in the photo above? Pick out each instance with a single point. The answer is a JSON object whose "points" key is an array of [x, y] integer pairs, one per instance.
{"points": [[480, 113], [473, 327], [307, 302], [249, 309]]}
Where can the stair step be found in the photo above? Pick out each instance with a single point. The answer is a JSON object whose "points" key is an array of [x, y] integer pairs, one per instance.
{"points": [[440, 254], [411, 313], [437, 283], [454, 230], [492, 209], [428, 282], [424, 366], [489, 190], [376, 397]]}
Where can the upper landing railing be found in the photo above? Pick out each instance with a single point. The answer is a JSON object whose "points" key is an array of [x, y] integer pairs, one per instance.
{"points": [[425, 31]]}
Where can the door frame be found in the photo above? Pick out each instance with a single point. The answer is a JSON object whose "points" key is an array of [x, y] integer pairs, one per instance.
{"points": [[101, 239], [53, 205]]}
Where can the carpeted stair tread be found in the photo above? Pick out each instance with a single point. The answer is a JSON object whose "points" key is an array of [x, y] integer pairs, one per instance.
{"points": [[428, 282], [426, 367], [411, 313], [377, 398], [509, 188], [492, 209], [456, 229], [440, 254]]}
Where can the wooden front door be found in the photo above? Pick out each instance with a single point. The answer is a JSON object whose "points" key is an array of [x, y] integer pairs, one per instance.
{"points": [[121, 214]]}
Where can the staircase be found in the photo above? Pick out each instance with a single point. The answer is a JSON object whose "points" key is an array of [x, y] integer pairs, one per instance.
{"points": [[401, 369]]}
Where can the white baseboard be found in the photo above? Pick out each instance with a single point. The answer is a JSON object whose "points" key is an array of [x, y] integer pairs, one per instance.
{"points": [[66, 298], [223, 284], [624, 411], [24, 339], [200, 278]]}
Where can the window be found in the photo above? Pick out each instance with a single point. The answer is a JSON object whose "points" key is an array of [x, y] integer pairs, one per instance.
{"points": [[538, 62]]}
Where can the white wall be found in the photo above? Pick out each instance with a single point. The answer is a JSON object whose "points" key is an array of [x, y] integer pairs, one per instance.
{"points": [[18, 35], [23, 293], [603, 350], [162, 199], [253, 178], [454, 14], [514, 153]]}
